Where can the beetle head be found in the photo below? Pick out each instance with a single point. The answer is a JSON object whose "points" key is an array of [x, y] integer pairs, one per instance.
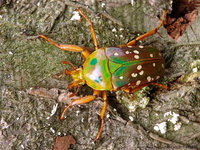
{"points": [[77, 75]]}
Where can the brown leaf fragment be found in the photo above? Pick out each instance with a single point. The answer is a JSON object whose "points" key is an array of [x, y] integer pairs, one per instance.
{"points": [[42, 92], [64, 142]]}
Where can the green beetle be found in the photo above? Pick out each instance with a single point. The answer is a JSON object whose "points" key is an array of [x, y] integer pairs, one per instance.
{"points": [[126, 67]]}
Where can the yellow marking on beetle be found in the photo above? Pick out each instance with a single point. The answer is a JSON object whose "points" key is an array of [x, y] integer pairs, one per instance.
{"points": [[157, 77], [134, 75], [148, 78], [139, 67], [127, 52], [136, 57], [138, 82], [141, 72], [151, 55], [136, 52]]}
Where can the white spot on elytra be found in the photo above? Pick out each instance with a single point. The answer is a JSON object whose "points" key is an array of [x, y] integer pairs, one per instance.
{"points": [[121, 77], [141, 72], [138, 82], [157, 77], [141, 46], [148, 78], [136, 52], [159, 54], [130, 46], [139, 67], [134, 74], [116, 54], [154, 64], [127, 52], [151, 55], [136, 57]]}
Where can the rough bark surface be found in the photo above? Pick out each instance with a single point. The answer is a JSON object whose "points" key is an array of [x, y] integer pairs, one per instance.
{"points": [[33, 86]]}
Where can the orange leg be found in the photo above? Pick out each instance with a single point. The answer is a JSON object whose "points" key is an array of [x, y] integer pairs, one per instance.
{"points": [[102, 115], [85, 51], [160, 85], [132, 90], [77, 90], [91, 28], [78, 101], [134, 42]]}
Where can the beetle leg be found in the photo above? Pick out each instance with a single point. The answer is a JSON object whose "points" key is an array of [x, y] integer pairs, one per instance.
{"points": [[78, 101], [73, 48], [91, 28], [77, 90], [102, 115], [133, 42], [73, 84], [160, 85], [132, 90]]}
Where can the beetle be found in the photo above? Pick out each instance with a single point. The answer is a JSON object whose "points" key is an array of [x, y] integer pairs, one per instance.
{"points": [[125, 67]]}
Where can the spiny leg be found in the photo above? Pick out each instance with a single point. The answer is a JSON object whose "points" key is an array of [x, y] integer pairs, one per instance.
{"points": [[134, 42], [160, 85], [128, 89], [102, 115], [74, 84], [78, 101], [77, 90], [132, 90], [91, 28], [73, 48]]}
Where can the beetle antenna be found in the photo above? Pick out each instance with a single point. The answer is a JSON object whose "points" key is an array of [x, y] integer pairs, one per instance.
{"points": [[69, 63]]}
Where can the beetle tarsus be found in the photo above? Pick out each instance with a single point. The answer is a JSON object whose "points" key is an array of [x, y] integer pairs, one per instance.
{"points": [[78, 101], [102, 115], [153, 31]]}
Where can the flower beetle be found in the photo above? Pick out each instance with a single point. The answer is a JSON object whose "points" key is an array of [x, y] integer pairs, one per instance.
{"points": [[126, 67]]}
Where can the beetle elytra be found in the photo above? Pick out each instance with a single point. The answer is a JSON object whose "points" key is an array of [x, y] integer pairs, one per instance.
{"points": [[126, 67]]}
